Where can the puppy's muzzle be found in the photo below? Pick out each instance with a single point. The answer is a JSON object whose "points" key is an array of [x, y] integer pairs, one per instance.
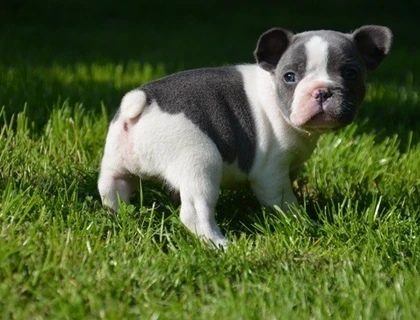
{"points": [[322, 96]]}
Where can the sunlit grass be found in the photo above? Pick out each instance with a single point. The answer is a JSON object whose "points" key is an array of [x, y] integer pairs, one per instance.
{"points": [[352, 251]]}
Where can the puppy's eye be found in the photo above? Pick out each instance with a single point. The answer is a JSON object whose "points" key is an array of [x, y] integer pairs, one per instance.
{"points": [[350, 74], [289, 77]]}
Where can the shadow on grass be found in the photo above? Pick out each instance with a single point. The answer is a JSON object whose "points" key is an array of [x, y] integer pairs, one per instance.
{"points": [[238, 213]]}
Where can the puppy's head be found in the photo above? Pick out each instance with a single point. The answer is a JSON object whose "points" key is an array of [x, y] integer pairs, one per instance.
{"points": [[320, 76]]}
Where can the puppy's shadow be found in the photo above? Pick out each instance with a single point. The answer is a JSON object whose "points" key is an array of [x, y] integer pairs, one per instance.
{"points": [[237, 211]]}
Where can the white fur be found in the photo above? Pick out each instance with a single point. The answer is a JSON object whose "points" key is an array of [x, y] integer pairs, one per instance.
{"points": [[133, 103], [170, 147], [147, 142], [316, 76], [281, 148], [317, 57]]}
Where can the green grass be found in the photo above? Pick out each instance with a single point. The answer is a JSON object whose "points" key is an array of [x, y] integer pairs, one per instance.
{"points": [[353, 252]]}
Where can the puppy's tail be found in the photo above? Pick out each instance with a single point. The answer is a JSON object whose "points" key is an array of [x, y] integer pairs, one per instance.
{"points": [[132, 104]]}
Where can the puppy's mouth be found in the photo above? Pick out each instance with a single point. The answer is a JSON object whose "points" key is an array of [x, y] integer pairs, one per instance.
{"points": [[321, 121], [320, 118], [321, 107]]}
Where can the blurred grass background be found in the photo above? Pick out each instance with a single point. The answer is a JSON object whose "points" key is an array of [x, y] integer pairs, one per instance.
{"points": [[42, 41]]}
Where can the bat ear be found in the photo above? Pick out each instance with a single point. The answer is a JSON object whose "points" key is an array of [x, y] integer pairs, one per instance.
{"points": [[374, 43], [270, 47]]}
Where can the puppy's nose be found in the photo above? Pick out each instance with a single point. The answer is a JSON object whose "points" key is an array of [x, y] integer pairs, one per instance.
{"points": [[322, 95]]}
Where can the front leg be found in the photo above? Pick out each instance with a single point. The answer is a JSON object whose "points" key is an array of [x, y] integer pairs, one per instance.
{"points": [[274, 190]]}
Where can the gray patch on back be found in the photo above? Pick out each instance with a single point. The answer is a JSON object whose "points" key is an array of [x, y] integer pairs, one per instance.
{"points": [[214, 99]]}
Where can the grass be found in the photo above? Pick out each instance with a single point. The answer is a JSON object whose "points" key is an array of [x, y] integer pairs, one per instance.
{"points": [[353, 252]]}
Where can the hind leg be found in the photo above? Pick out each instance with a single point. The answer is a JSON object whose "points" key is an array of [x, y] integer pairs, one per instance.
{"points": [[197, 214], [198, 184], [114, 187]]}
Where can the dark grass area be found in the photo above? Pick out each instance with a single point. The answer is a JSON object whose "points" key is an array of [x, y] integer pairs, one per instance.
{"points": [[39, 38], [210, 33]]}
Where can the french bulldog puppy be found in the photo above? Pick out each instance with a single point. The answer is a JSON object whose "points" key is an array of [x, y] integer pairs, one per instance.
{"points": [[203, 129]]}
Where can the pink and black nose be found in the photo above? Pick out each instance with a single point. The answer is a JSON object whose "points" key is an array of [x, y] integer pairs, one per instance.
{"points": [[322, 95]]}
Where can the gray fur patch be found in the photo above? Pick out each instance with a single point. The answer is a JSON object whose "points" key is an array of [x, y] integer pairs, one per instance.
{"points": [[214, 99], [293, 60]]}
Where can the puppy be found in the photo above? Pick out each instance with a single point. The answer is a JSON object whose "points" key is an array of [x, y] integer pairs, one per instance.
{"points": [[203, 129]]}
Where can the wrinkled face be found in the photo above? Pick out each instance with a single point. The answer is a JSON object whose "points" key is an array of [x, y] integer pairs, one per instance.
{"points": [[320, 80]]}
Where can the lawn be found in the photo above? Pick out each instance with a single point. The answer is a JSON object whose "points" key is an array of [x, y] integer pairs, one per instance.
{"points": [[352, 253]]}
